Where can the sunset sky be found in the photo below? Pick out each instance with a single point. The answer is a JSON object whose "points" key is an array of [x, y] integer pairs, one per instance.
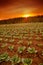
{"points": [[20, 8]]}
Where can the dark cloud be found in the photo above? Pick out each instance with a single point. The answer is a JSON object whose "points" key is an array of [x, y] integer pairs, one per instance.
{"points": [[4, 3]]}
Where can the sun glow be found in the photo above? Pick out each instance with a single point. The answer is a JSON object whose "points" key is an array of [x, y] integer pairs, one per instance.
{"points": [[26, 15]]}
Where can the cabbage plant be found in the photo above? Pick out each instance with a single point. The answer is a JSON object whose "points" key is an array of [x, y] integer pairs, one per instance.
{"points": [[15, 59], [11, 47], [31, 50], [26, 61], [21, 49], [4, 45], [4, 57]]}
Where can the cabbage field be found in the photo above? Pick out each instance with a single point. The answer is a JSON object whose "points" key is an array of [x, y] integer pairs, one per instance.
{"points": [[21, 44]]}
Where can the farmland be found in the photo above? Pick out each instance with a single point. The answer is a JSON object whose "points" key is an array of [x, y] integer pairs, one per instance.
{"points": [[21, 44]]}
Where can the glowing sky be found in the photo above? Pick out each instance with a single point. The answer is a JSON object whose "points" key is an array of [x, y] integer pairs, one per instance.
{"points": [[18, 8]]}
